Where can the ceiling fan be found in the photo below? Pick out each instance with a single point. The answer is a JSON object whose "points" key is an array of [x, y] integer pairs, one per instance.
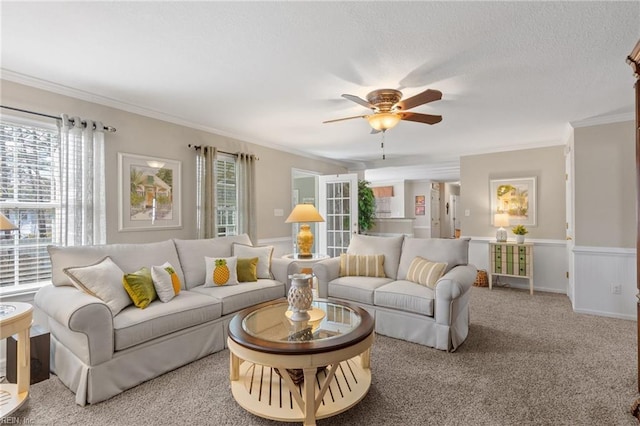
{"points": [[389, 108]]}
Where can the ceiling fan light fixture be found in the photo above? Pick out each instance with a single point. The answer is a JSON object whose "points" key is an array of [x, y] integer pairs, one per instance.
{"points": [[384, 120]]}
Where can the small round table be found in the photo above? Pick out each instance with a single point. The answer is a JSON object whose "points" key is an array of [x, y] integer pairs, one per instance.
{"points": [[16, 318], [296, 371]]}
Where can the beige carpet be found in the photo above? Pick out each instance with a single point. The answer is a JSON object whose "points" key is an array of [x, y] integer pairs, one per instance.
{"points": [[528, 360]]}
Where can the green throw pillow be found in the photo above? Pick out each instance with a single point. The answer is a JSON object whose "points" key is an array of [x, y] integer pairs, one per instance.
{"points": [[140, 287], [248, 270]]}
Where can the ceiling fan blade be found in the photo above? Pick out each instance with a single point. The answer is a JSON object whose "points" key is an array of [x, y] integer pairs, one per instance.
{"points": [[421, 118], [425, 97], [358, 100], [342, 119]]}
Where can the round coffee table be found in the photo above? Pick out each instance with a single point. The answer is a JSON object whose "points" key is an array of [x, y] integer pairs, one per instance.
{"points": [[300, 371]]}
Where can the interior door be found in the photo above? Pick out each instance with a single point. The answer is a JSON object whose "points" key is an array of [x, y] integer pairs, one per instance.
{"points": [[569, 221], [453, 214], [435, 213], [338, 205]]}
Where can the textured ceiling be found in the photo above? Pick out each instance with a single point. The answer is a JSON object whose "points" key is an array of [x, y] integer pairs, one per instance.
{"points": [[513, 74]]}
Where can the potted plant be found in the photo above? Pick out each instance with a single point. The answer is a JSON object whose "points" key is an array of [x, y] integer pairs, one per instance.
{"points": [[366, 206], [520, 231]]}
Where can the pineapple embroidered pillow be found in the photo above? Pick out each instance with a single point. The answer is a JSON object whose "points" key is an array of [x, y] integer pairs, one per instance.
{"points": [[221, 271], [166, 281]]}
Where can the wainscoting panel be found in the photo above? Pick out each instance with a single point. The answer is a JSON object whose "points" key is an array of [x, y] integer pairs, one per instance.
{"points": [[549, 264], [597, 271]]}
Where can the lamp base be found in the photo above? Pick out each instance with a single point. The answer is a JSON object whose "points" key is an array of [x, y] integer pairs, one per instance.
{"points": [[304, 255], [305, 241], [501, 235]]}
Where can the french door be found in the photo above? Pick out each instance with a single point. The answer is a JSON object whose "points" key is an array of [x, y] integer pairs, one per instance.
{"points": [[338, 205]]}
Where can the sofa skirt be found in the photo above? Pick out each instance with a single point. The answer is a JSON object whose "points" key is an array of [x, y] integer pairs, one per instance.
{"points": [[130, 367]]}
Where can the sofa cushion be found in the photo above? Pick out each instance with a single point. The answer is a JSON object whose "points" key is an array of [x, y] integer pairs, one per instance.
{"points": [[221, 271], [359, 265], [129, 257], [192, 253], [388, 246], [453, 252], [357, 289], [406, 296], [102, 280], [134, 326], [425, 272], [263, 253], [237, 297]]}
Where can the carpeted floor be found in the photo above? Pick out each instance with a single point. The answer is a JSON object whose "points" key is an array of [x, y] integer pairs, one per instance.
{"points": [[527, 360]]}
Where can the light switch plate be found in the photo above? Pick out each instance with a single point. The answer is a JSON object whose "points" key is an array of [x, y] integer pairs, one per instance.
{"points": [[278, 212]]}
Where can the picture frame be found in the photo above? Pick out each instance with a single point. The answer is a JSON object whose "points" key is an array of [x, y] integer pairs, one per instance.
{"points": [[420, 205], [149, 193], [516, 197]]}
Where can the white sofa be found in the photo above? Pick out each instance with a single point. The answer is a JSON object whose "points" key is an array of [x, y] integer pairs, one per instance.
{"points": [[98, 355], [403, 309]]}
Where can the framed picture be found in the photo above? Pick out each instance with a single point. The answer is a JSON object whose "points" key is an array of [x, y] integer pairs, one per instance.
{"points": [[149, 190], [420, 205], [516, 197]]}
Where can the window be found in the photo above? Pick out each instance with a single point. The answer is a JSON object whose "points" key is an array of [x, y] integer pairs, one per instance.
{"points": [[226, 196], [30, 200]]}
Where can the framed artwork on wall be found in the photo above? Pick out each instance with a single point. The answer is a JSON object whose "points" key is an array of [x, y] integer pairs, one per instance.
{"points": [[149, 193], [420, 205], [516, 197]]}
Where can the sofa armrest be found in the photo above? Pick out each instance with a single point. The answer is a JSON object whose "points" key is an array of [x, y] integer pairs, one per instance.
{"points": [[280, 269], [450, 287], [82, 323], [326, 271]]}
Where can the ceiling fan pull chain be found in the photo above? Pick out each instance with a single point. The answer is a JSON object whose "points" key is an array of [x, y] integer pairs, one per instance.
{"points": [[382, 144]]}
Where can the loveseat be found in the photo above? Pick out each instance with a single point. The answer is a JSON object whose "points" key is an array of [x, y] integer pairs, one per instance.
{"points": [[98, 354], [435, 315]]}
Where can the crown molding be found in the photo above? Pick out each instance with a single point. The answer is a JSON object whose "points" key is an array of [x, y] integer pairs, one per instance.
{"points": [[608, 119], [146, 112]]}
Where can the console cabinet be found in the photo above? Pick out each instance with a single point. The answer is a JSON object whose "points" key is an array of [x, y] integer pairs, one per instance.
{"points": [[510, 259]]}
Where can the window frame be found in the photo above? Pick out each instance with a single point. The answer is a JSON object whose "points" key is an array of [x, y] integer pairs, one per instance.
{"points": [[227, 212]]}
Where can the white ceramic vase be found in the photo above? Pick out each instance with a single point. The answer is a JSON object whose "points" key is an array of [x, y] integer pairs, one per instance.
{"points": [[519, 239], [300, 296]]}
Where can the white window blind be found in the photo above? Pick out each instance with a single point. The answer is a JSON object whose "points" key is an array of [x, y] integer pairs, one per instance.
{"points": [[226, 196], [29, 165]]}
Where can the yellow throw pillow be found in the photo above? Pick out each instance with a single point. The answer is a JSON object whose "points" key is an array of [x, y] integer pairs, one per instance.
{"points": [[354, 265], [247, 270], [425, 272], [139, 286]]}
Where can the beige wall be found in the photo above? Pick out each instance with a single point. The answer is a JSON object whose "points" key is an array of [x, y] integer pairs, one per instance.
{"points": [[142, 135], [547, 164], [605, 189]]}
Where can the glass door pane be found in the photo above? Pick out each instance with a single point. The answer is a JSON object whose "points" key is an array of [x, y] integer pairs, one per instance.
{"points": [[338, 205]]}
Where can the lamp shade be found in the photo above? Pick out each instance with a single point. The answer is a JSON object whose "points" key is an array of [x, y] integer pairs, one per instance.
{"points": [[501, 219], [5, 224], [304, 213], [384, 120]]}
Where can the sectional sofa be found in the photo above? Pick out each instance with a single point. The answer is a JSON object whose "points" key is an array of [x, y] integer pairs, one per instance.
{"points": [[434, 314], [97, 354]]}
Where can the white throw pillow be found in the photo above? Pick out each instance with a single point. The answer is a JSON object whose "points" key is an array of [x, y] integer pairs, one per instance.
{"points": [[166, 281], [102, 280], [263, 253], [221, 271]]}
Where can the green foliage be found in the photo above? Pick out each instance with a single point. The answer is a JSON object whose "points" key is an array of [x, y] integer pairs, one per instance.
{"points": [[519, 230], [366, 206]]}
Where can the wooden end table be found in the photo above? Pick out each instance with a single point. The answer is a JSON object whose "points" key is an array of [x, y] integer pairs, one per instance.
{"points": [[268, 351]]}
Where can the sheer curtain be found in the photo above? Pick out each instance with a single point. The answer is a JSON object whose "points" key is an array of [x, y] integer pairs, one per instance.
{"points": [[81, 182], [247, 209], [206, 192]]}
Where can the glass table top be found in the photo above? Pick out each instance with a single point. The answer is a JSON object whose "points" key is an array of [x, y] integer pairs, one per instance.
{"points": [[327, 321]]}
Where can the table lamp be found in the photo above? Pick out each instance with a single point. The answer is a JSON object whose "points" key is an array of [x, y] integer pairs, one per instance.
{"points": [[304, 213], [501, 220]]}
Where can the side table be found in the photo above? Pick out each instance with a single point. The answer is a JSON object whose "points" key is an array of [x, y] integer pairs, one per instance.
{"points": [[16, 318], [40, 342], [304, 266]]}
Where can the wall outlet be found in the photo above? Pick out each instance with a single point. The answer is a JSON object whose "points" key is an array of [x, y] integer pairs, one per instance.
{"points": [[616, 289], [278, 212]]}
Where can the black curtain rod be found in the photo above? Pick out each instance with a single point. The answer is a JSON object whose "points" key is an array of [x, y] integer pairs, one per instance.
{"points": [[106, 128], [197, 147]]}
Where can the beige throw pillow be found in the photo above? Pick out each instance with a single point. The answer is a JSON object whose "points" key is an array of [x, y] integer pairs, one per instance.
{"points": [[263, 253], [355, 265], [425, 272], [102, 280]]}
